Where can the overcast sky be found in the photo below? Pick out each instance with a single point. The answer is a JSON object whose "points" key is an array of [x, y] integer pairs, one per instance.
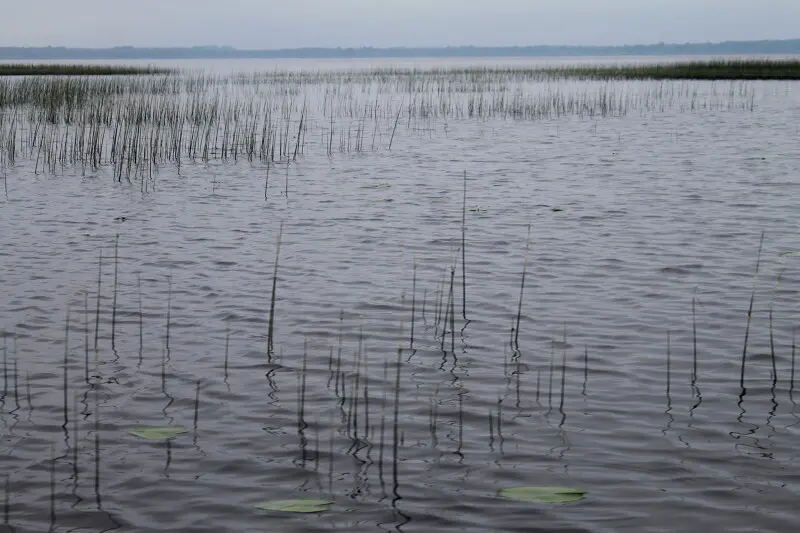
{"points": [[269, 24]]}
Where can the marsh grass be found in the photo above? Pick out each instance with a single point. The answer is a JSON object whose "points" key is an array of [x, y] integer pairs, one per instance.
{"points": [[135, 125], [715, 69], [54, 69]]}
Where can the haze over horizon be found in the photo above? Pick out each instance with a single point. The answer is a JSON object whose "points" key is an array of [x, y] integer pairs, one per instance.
{"points": [[250, 24]]}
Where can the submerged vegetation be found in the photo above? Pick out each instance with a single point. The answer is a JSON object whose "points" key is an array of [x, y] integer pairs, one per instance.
{"points": [[55, 69]]}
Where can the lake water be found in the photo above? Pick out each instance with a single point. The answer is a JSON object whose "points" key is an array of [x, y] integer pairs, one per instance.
{"points": [[612, 384]]}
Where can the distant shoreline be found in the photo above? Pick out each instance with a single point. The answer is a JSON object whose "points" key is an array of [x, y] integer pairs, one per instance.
{"points": [[767, 47], [716, 69]]}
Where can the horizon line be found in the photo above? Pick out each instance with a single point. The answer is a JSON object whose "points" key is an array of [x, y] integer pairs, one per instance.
{"points": [[402, 47]]}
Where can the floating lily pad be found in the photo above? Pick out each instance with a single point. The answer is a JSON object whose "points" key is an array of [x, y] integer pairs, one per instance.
{"points": [[296, 506], [543, 494], [383, 185], [163, 433], [790, 254], [475, 209]]}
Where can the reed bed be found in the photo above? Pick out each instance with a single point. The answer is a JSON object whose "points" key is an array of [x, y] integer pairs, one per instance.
{"points": [[54, 69], [723, 69], [136, 124], [713, 69]]}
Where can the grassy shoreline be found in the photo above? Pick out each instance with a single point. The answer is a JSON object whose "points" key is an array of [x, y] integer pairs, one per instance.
{"points": [[705, 70], [22, 69], [715, 69], [721, 69]]}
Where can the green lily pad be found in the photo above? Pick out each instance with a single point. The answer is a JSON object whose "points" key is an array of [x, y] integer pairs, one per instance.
{"points": [[296, 506], [790, 254], [163, 433], [475, 209], [543, 494]]}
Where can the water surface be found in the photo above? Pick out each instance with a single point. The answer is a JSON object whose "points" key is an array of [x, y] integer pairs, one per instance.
{"points": [[632, 219]]}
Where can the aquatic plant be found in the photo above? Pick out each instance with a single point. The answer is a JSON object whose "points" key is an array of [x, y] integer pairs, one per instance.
{"points": [[136, 124], [58, 69]]}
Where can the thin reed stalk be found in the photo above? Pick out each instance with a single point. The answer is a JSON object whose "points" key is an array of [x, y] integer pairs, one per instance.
{"points": [[270, 326], [750, 313], [522, 288]]}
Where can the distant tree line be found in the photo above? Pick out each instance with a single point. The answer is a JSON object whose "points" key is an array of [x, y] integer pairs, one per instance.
{"points": [[790, 46]]}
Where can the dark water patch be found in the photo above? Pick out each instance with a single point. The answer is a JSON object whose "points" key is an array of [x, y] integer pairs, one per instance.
{"points": [[682, 269]]}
